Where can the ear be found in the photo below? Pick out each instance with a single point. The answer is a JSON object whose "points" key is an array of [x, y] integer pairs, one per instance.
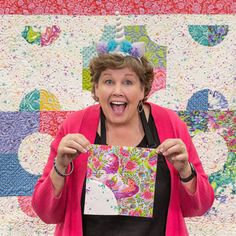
{"points": [[95, 87], [142, 94], [95, 91]]}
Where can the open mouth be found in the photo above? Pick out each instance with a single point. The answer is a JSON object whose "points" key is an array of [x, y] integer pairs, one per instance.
{"points": [[118, 107]]}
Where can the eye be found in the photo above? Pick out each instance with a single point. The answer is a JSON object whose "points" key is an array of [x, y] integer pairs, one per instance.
{"points": [[108, 82], [128, 82]]}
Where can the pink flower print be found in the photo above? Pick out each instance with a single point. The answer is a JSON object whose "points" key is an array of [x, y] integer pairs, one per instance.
{"points": [[222, 117], [234, 120], [126, 191], [96, 162], [152, 161], [230, 132], [232, 142], [105, 147], [89, 172], [196, 8], [51, 34], [124, 152], [112, 163], [130, 165], [110, 183], [147, 195], [159, 81], [136, 212]]}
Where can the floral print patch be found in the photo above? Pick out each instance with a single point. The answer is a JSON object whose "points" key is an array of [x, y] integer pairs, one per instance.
{"points": [[120, 181]]}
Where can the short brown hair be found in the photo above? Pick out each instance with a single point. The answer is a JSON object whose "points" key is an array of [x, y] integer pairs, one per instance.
{"points": [[143, 69]]}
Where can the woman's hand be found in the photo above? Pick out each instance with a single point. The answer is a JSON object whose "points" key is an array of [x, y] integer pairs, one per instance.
{"points": [[175, 151], [69, 148]]}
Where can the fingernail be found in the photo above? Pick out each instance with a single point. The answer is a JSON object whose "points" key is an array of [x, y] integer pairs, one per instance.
{"points": [[89, 147], [158, 150]]}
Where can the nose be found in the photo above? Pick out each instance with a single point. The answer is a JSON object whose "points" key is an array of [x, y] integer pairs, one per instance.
{"points": [[117, 90]]}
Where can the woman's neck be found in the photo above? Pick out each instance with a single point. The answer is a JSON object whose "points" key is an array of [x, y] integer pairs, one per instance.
{"points": [[129, 134]]}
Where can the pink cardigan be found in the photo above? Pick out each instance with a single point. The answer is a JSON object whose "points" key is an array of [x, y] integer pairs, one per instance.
{"points": [[65, 211]]}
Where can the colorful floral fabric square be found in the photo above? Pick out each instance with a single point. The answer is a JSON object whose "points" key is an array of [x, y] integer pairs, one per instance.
{"points": [[120, 181]]}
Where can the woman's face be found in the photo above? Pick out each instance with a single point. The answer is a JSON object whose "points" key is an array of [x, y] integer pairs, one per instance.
{"points": [[119, 92]]}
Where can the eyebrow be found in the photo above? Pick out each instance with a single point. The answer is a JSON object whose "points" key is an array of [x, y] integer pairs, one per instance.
{"points": [[127, 74], [130, 74], [106, 74]]}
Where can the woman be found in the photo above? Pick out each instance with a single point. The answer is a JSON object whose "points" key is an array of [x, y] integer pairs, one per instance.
{"points": [[121, 85]]}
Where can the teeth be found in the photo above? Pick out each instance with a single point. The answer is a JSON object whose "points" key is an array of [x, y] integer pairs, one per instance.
{"points": [[118, 103]]}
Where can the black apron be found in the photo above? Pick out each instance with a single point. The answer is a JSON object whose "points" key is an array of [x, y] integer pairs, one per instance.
{"points": [[100, 225]]}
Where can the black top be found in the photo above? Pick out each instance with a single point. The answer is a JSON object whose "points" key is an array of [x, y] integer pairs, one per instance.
{"points": [[100, 225]]}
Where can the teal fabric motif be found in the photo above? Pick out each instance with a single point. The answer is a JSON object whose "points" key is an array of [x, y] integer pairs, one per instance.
{"points": [[208, 35], [31, 101]]}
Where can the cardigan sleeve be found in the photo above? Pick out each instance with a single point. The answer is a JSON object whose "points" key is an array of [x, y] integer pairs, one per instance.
{"points": [[197, 203], [53, 209], [49, 208], [169, 125]]}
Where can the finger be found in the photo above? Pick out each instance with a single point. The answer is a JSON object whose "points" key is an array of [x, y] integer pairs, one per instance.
{"points": [[166, 145], [68, 151], [181, 158], [175, 149], [178, 160], [82, 141], [170, 143], [170, 158], [76, 141], [77, 146]]}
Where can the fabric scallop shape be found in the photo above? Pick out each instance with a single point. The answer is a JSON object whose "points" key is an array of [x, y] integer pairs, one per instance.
{"points": [[99, 192], [208, 35], [33, 152], [31, 101], [45, 38], [40, 100], [205, 100]]}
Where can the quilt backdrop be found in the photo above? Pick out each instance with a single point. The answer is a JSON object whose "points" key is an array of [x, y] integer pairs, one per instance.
{"points": [[45, 48]]}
